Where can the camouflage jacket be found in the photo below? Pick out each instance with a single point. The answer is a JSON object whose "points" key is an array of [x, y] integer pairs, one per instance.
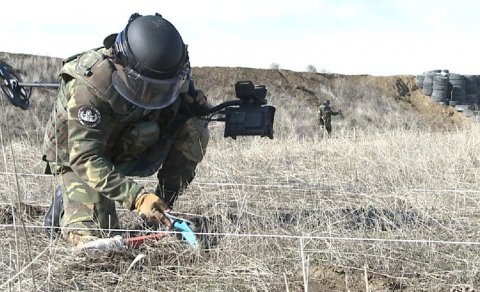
{"points": [[324, 115], [102, 137]]}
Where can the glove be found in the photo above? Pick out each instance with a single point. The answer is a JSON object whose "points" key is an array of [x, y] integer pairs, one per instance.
{"points": [[196, 100], [152, 209]]}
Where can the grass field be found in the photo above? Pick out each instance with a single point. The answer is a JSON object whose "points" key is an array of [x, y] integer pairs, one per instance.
{"points": [[366, 210], [400, 209]]}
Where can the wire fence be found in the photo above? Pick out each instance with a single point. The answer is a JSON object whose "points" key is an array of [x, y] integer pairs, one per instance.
{"points": [[301, 238], [293, 186], [303, 186], [261, 235]]}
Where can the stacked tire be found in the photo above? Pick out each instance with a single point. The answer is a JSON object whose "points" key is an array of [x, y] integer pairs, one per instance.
{"points": [[427, 86], [440, 88], [471, 89], [419, 81], [478, 88], [457, 89]]}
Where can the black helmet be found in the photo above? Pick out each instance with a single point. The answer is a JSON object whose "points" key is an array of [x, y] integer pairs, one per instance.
{"points": [[153, 59]]}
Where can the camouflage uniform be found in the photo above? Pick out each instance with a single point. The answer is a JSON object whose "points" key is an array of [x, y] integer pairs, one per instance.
{"points": [[324, 116], [94, 139]]}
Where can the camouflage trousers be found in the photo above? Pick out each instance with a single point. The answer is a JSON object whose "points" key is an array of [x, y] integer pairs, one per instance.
{"points": [[87, 212]]}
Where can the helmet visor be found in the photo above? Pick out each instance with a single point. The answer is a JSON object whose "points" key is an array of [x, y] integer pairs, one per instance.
{"points": [[147, 92]]}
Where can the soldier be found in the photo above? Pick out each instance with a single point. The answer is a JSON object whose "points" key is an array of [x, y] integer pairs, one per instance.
{"points": [[324, 116], [124, 109]]}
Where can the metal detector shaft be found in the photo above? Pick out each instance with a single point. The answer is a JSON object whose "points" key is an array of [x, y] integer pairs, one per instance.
{"points": [[40, 85]]}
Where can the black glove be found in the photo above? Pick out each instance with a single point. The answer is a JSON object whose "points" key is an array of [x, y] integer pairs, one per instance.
{"points": [[197, 103]]}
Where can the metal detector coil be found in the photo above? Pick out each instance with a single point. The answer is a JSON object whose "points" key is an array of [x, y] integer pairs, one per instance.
{"points": [[17, 92]]}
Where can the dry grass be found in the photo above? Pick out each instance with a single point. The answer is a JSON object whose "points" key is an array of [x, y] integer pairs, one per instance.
{"points": [[397, 207], [263, 195]]}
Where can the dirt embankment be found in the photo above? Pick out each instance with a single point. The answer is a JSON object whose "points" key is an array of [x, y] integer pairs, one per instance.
{"points": [[365, 100], [379, 102]]}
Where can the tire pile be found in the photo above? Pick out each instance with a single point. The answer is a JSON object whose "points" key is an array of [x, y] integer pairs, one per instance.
{"points": [[459, 91]]}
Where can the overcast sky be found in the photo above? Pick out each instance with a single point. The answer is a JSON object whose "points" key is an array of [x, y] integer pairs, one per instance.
{"points": [[377, 37]]}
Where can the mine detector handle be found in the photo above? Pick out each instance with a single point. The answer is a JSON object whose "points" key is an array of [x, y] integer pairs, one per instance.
{"points": [[247, 116], [248, 93]]}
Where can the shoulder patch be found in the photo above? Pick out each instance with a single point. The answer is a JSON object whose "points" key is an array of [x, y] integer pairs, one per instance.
{"points": [[89, 116]]}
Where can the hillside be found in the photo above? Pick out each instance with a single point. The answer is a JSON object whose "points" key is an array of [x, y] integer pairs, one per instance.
{"points": [[378, 103]]}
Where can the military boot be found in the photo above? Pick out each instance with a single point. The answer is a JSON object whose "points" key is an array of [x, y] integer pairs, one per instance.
{"points": [[51, 221], [93, 246]]}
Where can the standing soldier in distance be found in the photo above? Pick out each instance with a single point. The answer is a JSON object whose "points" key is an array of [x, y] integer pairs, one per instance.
{"points": [[324, 116]]}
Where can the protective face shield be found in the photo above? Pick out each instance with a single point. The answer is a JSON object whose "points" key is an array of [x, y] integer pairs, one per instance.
{"points": [[147, 92], [151, 60]]}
